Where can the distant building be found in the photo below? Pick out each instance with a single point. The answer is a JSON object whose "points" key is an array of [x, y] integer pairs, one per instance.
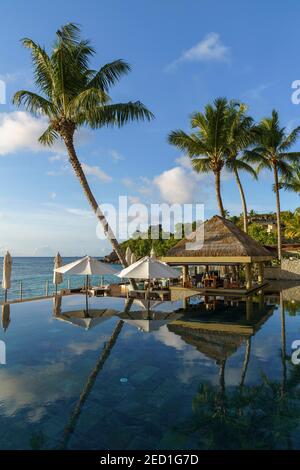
{"points": [[268, 221]]}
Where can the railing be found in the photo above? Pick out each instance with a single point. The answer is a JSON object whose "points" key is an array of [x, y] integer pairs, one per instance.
{"points": [[22, 289]]}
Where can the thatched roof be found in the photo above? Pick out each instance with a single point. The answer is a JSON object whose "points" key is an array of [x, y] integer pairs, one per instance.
{"points": [[213, 344], [222, 238]]}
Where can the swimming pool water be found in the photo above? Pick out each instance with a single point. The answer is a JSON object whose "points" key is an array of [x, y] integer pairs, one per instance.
{"points": [[210, 376]]}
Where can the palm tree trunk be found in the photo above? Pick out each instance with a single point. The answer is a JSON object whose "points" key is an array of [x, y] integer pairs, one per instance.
{"points": [[278, 212], [218, 193], [243, 199], [93, 203]]}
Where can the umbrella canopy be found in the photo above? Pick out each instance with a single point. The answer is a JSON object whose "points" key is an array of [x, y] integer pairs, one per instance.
{"points": [[7, 263], [147, 304], [57, 277], [147, 323], [86, 320], [148, 268], [86, 266], [133, 259], [5, 316], [128, 254]]}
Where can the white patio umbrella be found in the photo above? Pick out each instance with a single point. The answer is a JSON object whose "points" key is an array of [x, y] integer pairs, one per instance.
{"points": [[7, 264], [5, 316], [84, 319], [86, 266], [57, 277], [133, 259], [149, 321], [128, 254], [149, 268]]}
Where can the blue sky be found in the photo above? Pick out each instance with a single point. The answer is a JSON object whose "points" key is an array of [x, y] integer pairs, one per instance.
{"points": [[184, 53]]}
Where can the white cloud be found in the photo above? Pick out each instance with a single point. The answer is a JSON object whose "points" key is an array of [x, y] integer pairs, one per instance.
{"points": [[80, 212], [210, 48], [128, 182], [176, 186], [256, 93], [52, 195], [20, 131], [115, 155], [56, 158], [97, 172]]}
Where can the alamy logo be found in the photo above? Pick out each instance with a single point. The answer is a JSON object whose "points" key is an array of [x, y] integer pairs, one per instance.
{"points": [[2, 353], [2, 92], [296, 353]]}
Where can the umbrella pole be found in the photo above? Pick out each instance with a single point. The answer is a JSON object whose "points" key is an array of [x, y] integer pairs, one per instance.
{"points": [[86, 294], [5, 296]]}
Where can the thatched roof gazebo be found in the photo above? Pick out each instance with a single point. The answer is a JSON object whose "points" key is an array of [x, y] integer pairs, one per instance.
{"points": [[223, 244]]}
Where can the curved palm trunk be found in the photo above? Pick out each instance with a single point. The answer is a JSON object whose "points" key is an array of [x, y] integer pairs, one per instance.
{"points": [[92, 201], [246, 362], [278, 212], [218, 193], [243, 199]]}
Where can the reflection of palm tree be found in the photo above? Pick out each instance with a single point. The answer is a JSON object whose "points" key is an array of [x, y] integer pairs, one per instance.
{"points": [[89, 385], [283, 344], [246, 361]]}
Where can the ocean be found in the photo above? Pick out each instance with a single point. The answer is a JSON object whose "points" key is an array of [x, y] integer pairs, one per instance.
{"points": [[34, 272]]}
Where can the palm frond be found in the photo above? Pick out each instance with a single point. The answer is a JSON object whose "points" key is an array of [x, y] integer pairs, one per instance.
{"points": [[115, 114], [33, 103], [109, 75], [202, 165], [48, 137], [188, 143], [87, 101], [241, 165], [290, 140], [42, 66]]}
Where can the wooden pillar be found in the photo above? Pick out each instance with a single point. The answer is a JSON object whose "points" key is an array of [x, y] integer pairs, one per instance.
{"points": [[185, 273], [249, 308], [260, 272], [248, 273]]}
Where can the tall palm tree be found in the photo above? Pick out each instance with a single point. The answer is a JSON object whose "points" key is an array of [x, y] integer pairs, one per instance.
{"points": [[272, 152], [207, 144], [73, 95], [241, 135]]}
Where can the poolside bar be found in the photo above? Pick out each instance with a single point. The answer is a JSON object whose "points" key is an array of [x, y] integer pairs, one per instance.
{"points": [[228, 259]]}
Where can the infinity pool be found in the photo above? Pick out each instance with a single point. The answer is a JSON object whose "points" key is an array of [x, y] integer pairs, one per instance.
{"points": [[187, 375]]}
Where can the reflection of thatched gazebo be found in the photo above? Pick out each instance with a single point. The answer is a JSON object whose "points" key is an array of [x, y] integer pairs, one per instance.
{"points": [[216, 345], [219, 334], [222, 244]]}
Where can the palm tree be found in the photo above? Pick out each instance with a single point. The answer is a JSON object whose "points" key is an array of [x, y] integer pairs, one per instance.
{"points": [[292, 227], [272, 152], [72, 96], [240, 137], [207, 144]]}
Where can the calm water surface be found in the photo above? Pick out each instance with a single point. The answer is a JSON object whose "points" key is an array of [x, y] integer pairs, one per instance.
{"points": [[186, 376]]}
